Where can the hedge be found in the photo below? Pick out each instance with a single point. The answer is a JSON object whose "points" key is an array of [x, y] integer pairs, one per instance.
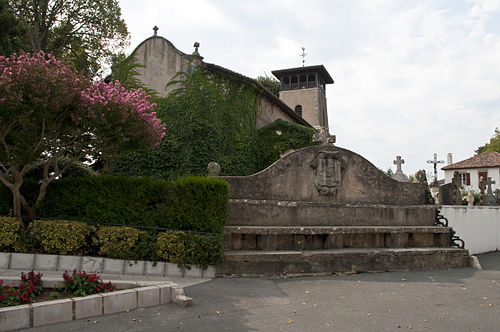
{"points": [[62, 237], [191, 203]]}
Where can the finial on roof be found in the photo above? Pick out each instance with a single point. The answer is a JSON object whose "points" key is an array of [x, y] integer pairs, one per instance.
{"points": [[303, 55], [196, 45], [155, 29]]}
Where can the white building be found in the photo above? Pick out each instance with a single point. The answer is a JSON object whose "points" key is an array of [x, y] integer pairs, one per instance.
{"points": [[484, 165]]}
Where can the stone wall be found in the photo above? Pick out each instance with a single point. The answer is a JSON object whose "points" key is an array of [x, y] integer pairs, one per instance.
{"points": [[268, 112], [342, 175], [161, 61], [313, 104]]}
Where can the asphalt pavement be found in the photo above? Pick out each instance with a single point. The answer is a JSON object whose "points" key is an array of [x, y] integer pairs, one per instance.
{"points": [[440, 300]]}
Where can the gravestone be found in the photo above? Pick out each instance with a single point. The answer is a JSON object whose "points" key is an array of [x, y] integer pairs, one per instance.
{"points": [[449, 193], [399, 175], [487, 197]]}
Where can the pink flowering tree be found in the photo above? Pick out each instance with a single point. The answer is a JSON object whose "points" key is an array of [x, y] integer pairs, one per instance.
{"points": [[48, 111]]}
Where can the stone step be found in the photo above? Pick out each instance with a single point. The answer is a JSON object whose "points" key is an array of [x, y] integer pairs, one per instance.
{"points": [[331, 237], [252, 212], [325, 262]]}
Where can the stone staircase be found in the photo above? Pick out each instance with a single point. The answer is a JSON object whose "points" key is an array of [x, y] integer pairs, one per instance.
{"points": [[281, 224]]}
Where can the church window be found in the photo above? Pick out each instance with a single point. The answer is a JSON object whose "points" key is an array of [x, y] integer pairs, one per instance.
{"points": [[298, 110]]}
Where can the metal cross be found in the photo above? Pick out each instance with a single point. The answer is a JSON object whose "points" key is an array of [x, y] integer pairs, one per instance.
{"points": [[435, 162], [398, 162], [303, 55], [155, 29]]}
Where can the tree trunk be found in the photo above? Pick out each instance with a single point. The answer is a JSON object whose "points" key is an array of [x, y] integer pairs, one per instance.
{"points": [[17, 204]]}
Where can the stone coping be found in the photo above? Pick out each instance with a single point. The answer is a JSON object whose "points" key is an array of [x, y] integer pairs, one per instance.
{"points": [[57, 311], [44, 262], [272, 230], [290, 203]]}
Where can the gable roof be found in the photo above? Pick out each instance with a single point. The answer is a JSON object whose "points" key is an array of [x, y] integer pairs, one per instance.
{"points": [[483, 160], [265, 92]]}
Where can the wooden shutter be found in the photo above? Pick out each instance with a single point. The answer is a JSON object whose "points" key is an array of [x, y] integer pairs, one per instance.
{"points": [[467, 180]]}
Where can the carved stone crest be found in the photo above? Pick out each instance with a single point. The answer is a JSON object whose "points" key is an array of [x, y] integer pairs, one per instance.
{"points": [[328, 175]]}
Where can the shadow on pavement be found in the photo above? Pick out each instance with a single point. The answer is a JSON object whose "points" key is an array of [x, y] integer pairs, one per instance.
{"points": [[490, 261]]}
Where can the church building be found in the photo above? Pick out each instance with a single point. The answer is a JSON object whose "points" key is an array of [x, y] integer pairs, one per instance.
{"points": [[302, 97]]}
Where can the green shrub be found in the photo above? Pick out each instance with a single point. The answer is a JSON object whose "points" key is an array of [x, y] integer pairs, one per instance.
{"points": [[192, 203], [63, 237], [170, 247], [9, 233], [279, 136], [204, 249], [190, 248], [125, 243]]}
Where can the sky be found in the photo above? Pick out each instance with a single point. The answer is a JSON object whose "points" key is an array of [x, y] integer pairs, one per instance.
{"points": [[412, 78]]}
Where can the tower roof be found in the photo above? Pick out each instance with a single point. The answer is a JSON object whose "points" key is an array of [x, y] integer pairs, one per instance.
{"points": [[320, 69]]}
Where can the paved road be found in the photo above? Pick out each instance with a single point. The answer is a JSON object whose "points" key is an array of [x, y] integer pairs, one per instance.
{"points": [[444, 300]]}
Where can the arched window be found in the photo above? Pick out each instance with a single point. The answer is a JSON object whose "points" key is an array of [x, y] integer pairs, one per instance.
{"points": [[298, 110]]}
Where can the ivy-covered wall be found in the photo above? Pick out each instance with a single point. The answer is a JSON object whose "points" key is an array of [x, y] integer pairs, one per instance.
{"points": [[212, 118], [280, 136]]}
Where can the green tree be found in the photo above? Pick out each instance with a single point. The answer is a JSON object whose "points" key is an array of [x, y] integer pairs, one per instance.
{"points": [[270, 83], [493, 145], [49, 112], [12, 33], [84, 31]]}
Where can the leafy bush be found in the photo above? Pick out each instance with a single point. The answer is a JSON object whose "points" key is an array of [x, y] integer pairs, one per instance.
{"points": [[170, 247], [204, 249], [125, 243], [83, 284], [63, 237], [10, 232], [279, 136], [190, 248]]}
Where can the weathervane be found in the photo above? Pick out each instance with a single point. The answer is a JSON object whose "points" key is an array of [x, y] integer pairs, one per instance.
{"points": [[303, 55]]}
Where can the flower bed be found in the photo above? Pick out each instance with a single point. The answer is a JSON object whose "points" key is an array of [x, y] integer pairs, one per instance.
{"points": [[30, 289]]}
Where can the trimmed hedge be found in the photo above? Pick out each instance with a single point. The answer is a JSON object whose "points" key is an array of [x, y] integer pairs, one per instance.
{"points": [[9, 233], [192, 203], [126, 243], [61, 237]]}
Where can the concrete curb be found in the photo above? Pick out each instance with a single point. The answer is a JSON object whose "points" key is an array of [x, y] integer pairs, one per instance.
{"points": [[51, 312], [474, 263], [43, 262]]}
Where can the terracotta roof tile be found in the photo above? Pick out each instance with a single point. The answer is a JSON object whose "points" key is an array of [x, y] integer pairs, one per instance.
{"points": [[483, 160]]}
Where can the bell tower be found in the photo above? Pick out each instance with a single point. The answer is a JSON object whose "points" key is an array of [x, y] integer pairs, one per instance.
{"points": [[303, 90]]}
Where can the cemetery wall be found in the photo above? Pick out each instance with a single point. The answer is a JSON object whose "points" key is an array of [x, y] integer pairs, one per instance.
{"points": [[478, 226]]}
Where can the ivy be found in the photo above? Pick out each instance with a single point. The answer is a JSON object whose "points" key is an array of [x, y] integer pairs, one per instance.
{"points": [[280, 136], [212, 117]]}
